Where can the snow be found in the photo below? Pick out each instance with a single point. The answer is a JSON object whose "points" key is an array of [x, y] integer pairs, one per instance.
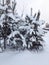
{"points": [[24, 27], [3, 7], [46, 38], [26, 57], [13, 34], [17, 32], [40, 22], [13, 17], [1, 23], [40, 31], [2, 17], [0, 50]]}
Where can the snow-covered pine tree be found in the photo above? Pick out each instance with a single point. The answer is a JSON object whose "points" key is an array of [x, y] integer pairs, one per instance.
{"points": [[36, 33], [13, 21], [6, 18]]}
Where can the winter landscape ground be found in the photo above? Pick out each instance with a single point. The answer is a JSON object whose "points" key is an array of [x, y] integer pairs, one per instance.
{"points": [[26, 57]]}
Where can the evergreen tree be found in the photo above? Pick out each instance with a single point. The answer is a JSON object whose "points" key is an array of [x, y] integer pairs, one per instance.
{"points": [[34, 37], [22, 33]]}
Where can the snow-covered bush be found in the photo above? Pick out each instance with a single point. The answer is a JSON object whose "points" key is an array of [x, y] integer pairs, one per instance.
{"points": [[20, 33]]}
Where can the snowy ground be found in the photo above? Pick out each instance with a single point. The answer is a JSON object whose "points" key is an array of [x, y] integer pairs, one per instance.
{"points": [[26, 57]]}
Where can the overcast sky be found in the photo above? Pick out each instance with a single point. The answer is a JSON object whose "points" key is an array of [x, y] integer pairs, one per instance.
{"points": [[42, 5]]}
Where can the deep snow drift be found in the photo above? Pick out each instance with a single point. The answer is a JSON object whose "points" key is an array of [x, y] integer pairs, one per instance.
{"points": [[26, 57]]}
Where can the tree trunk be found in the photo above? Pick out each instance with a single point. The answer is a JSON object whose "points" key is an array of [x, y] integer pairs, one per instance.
{"points": [[4, 43]]}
